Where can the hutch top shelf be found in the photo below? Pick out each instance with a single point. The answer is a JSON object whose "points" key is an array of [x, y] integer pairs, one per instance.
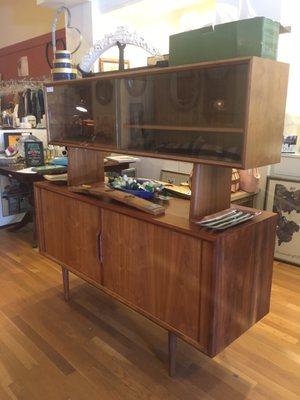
{"points": [[229, 112]]}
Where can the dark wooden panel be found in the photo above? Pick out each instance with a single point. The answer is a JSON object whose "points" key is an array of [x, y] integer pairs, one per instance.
{"points": [[112, 149], [85, 166], [211, 189], [157, 70], [154, 268], [208, 258], [241, 281], [71, 231], [266, 110], [264, 247], [175, 218], [39, 220], [207, 291]]}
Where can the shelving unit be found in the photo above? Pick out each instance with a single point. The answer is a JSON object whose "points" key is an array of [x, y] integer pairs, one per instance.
{"points": [[185, 128], [202, 286], [229, 112]]}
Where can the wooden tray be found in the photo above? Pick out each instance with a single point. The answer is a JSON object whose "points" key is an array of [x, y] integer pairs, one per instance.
{"points": [[102, 190]]}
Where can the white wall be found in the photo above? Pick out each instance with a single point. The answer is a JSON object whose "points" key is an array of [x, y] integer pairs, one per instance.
{"points": [[232, 10], [81, 18], [151, 167], [155, 20]]}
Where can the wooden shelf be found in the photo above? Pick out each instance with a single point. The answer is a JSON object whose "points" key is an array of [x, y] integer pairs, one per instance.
{"points": [[185, 128], [71, 142]]}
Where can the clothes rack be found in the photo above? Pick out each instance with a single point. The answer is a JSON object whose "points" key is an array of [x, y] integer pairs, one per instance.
{"points": [[14, 86]]}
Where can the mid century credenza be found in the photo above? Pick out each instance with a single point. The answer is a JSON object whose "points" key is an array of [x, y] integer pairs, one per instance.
{"points": [[203, 286]]}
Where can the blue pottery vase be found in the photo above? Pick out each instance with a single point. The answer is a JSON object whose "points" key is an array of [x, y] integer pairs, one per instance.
{"points": [[64, 73], [62, 63], [62, 66], [62, 54]]}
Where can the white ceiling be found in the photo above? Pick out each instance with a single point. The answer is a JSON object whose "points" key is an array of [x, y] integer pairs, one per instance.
{"points": [[58, 3], [161, 6], [110, 5]]}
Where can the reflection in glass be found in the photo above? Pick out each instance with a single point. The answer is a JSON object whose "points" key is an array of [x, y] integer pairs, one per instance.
{"points": [[198, 113]]}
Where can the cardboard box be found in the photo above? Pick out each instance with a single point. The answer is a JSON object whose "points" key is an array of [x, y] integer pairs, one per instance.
{"points": [[249, 37]]}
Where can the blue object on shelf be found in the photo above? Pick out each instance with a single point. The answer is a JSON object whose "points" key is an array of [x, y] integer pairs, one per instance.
{"points": [[139, 193], [59, 161]]}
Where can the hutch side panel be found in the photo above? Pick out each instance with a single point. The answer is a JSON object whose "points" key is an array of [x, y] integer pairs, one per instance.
{"points": [[69, 232], [208, 259], [154, 268], [266, 112], [242, 280]]}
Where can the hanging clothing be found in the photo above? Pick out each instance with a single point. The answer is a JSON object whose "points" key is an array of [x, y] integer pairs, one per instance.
{"points": [[28, 104], [41, 101], [37, 104], [21, 109], [31, 102], [34, 104]]}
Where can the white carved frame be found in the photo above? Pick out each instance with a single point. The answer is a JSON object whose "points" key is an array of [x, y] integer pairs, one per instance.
{"points": [[121, 35]]}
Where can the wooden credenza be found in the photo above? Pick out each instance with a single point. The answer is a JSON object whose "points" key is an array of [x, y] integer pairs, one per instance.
{"points": [[205, 287]]}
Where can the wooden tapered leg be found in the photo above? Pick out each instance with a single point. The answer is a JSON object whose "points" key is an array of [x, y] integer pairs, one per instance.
{"points": [[172, 353], [65, 275]]}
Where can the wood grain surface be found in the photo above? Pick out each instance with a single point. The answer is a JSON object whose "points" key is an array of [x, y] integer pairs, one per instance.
{"points": [[208, 293], [69, 231], [211, 190], [242, 282], [154, 268], [266, 112], [101, 190], [95, 348], [176, 215], [85, 166]]}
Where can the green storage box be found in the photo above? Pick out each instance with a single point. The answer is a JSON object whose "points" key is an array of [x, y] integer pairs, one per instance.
{"points": [[249, 37]]}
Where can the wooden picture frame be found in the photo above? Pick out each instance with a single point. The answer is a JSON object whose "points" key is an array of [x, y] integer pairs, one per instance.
{"points": [[11, 138], [283, 197], [111, 64], [174, 177]]}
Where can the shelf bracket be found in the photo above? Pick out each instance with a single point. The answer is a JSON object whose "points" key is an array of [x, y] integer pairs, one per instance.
{"points": [[211, 190]]}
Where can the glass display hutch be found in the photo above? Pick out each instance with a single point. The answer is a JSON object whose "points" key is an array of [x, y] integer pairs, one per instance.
{"points": [[219, 113]]}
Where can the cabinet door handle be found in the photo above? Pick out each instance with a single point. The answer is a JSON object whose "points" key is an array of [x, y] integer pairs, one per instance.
{"points": [[99, 247]]}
